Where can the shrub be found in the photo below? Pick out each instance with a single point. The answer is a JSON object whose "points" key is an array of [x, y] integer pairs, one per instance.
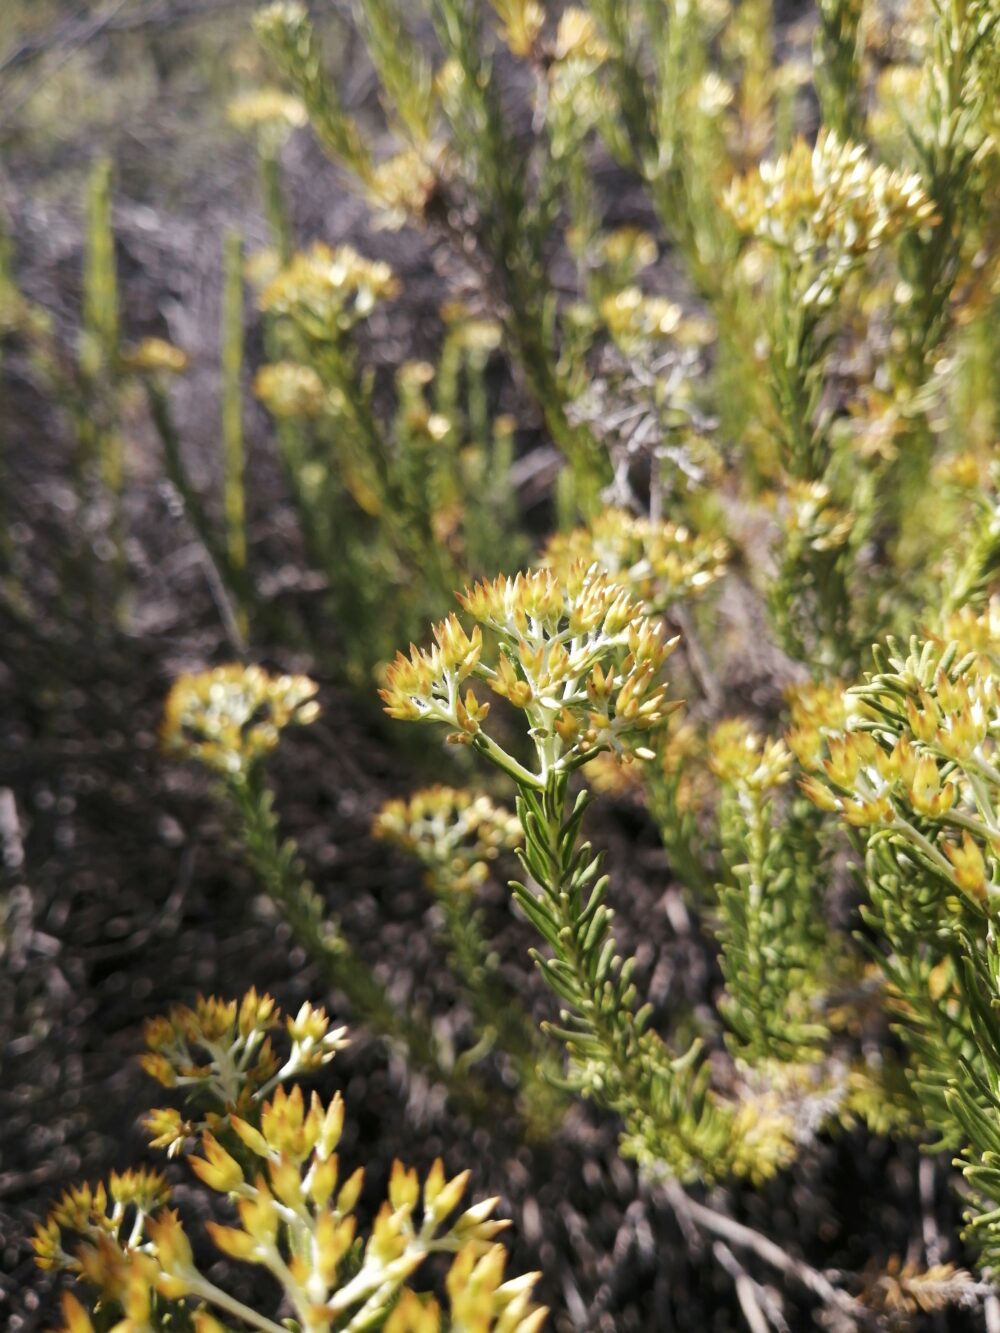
{"points": [[777, 420]]}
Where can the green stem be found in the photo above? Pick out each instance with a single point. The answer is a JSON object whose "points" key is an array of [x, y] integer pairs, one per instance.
{"points": [[670, 1119], [233, 459], [281, 875]]}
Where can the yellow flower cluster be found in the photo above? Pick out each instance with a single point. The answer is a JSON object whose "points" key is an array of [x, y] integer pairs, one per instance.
{"points": [[155, 354], [658, 562], [811, 520], [479, 1298], [921, 762], [522, 21], [289, 389], [629, 249], [295, 1219], [303, 1189], [225, 1052], [455, 833], [232, 716], [267, 108], [978, 632], [101, 1214], [278, 1165], [633, 318], [578, 37], [740, 757], [817, 709], [575, 652], [327, 291], [401, 186], [828, 205]]}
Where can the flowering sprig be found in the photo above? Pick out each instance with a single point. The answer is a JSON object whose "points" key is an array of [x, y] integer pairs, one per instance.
{"points": [[274, 1158], [919, 762], [913, 768], [457, 834], [742, 758], [825, 207], [230, 717], [581, 659], [657, 562], [576, 654], [224, 1055], [326, 292], [818, 215]]}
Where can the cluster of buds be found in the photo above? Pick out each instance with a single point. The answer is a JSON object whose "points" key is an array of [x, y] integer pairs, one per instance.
{"points": [[976, 631], [102, 1223], [918, 759], [155, 356], [825, 208], [579, 38], [634, 319], [455, 833], [289, 389], [625, 252], [401, 186], [742, 758], [658, 562], [276, 1162], [576, 100], [575, 653], [269, 113], [811, 521], [224, 1053], [232, 716], [325, 292], [522, 22], [298, 1220], [478, 1298], [818, 709]]}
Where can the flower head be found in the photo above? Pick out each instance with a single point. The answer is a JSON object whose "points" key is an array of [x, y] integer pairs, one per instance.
{"points": [[267, 110], [230, 717], [288, 389], [578, 37], [224, 1051], [915, 755], [455, 833], [573, 651], [327, 291], [825, 207], [658, 562], [742, 758], [633, 318], [402, 186], [155, 354]]}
